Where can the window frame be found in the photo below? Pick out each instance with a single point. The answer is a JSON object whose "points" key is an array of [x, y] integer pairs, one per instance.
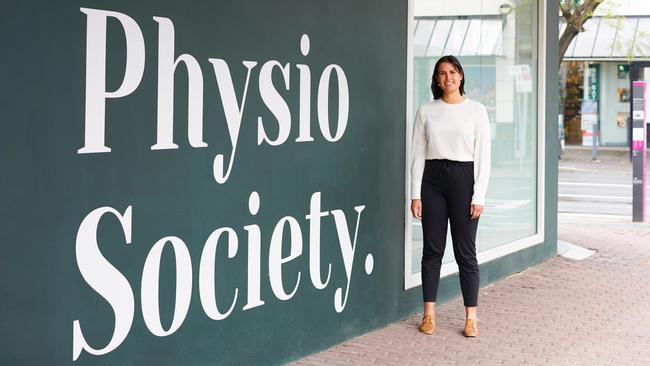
{"points": [[412, 280]]}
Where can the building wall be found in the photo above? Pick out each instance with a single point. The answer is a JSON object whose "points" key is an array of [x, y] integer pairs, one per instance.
{"points": [[613, 132], [613, 112], [156, 251]]}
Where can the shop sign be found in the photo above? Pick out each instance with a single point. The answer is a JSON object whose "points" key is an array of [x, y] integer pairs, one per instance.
{"points": [[593, 82], [588, 121]]}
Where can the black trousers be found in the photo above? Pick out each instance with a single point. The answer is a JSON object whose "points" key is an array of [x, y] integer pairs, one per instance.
{"points": [[447, 189]]}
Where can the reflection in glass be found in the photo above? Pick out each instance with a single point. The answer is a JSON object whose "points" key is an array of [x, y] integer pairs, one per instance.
{"points": [[491, 37], [456, 37], [472, 38], [423, 29], [439, 38], [498, 54]]}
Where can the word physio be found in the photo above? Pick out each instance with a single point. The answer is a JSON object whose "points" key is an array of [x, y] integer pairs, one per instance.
{"points": [[96, 93]]}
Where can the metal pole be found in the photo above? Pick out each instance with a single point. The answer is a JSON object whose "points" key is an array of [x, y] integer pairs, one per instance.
{"points": [[594, 132], [639, 90]]}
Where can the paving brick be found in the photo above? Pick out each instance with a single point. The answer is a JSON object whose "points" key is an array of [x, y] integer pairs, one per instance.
{"points": [[561, 312]]}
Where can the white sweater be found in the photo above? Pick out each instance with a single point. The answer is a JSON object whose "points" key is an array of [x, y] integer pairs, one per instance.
{"points": [[459, 132]]}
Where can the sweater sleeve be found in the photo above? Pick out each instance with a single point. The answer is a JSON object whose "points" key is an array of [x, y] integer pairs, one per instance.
{"points": [[482, 152], [418, 155]]}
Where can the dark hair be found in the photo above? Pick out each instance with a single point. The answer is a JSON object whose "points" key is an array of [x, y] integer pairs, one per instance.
{"points": [[435, 88]]}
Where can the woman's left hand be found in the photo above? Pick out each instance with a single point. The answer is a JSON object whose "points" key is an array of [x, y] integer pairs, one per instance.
{"points": [[475, 211]]}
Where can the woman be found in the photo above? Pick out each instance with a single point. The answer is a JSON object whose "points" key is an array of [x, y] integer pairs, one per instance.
{"points": [[449, 176]]}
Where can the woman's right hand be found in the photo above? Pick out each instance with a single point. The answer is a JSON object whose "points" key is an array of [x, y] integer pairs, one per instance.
{"points": [[416, 209]]}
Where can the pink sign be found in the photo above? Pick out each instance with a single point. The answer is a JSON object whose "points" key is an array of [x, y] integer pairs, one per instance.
{"points": [[637, 145]]}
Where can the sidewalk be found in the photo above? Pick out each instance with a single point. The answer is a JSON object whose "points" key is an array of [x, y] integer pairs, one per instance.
{"points": [[561, 312], [608, 158]]}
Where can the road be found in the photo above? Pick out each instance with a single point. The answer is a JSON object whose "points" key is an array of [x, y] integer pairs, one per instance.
{"points": [[596, 190]]}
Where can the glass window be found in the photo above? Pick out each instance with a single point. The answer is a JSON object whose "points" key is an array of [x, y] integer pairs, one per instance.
{"points": [[499, 56], [423, 29], [490, 43], [439, 38], [472, 38], [456, 37]]}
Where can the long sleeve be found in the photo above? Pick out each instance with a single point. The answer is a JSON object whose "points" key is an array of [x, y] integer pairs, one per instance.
{"points": [[418, 154], [482, 152]]}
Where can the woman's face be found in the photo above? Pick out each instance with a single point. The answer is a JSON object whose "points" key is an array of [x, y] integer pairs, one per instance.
{"points": [[449, 78]]}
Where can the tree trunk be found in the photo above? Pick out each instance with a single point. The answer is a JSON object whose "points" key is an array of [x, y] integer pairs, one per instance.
{"points": [[576, 16], [565, 40]]}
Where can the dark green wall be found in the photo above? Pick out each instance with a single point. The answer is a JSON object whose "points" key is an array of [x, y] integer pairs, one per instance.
{"points": [[47, 188]]}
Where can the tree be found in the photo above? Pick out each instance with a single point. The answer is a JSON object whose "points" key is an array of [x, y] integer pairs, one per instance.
{"points": [[576, 13]]}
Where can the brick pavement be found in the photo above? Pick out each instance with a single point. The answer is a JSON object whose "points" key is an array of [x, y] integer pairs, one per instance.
{"points": [[561, 312], [579, 158]]}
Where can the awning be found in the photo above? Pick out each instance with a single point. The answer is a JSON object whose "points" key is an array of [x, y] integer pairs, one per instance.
{"points": [[458, 37], [621, 38]]}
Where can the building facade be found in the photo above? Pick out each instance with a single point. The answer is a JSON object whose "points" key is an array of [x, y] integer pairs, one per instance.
{"points": [[598, 70], [227, 183]]}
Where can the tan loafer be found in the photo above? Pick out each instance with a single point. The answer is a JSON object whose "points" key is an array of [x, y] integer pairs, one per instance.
{"points": [[428, 325], [471, 328]]}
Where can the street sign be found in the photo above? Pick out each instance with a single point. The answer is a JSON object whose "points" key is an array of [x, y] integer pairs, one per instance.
{"points": [[589, 122], [593, 94]]}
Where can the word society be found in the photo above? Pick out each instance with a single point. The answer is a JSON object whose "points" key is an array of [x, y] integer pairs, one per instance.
{"points": [[96, 93], [113, 286]]}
